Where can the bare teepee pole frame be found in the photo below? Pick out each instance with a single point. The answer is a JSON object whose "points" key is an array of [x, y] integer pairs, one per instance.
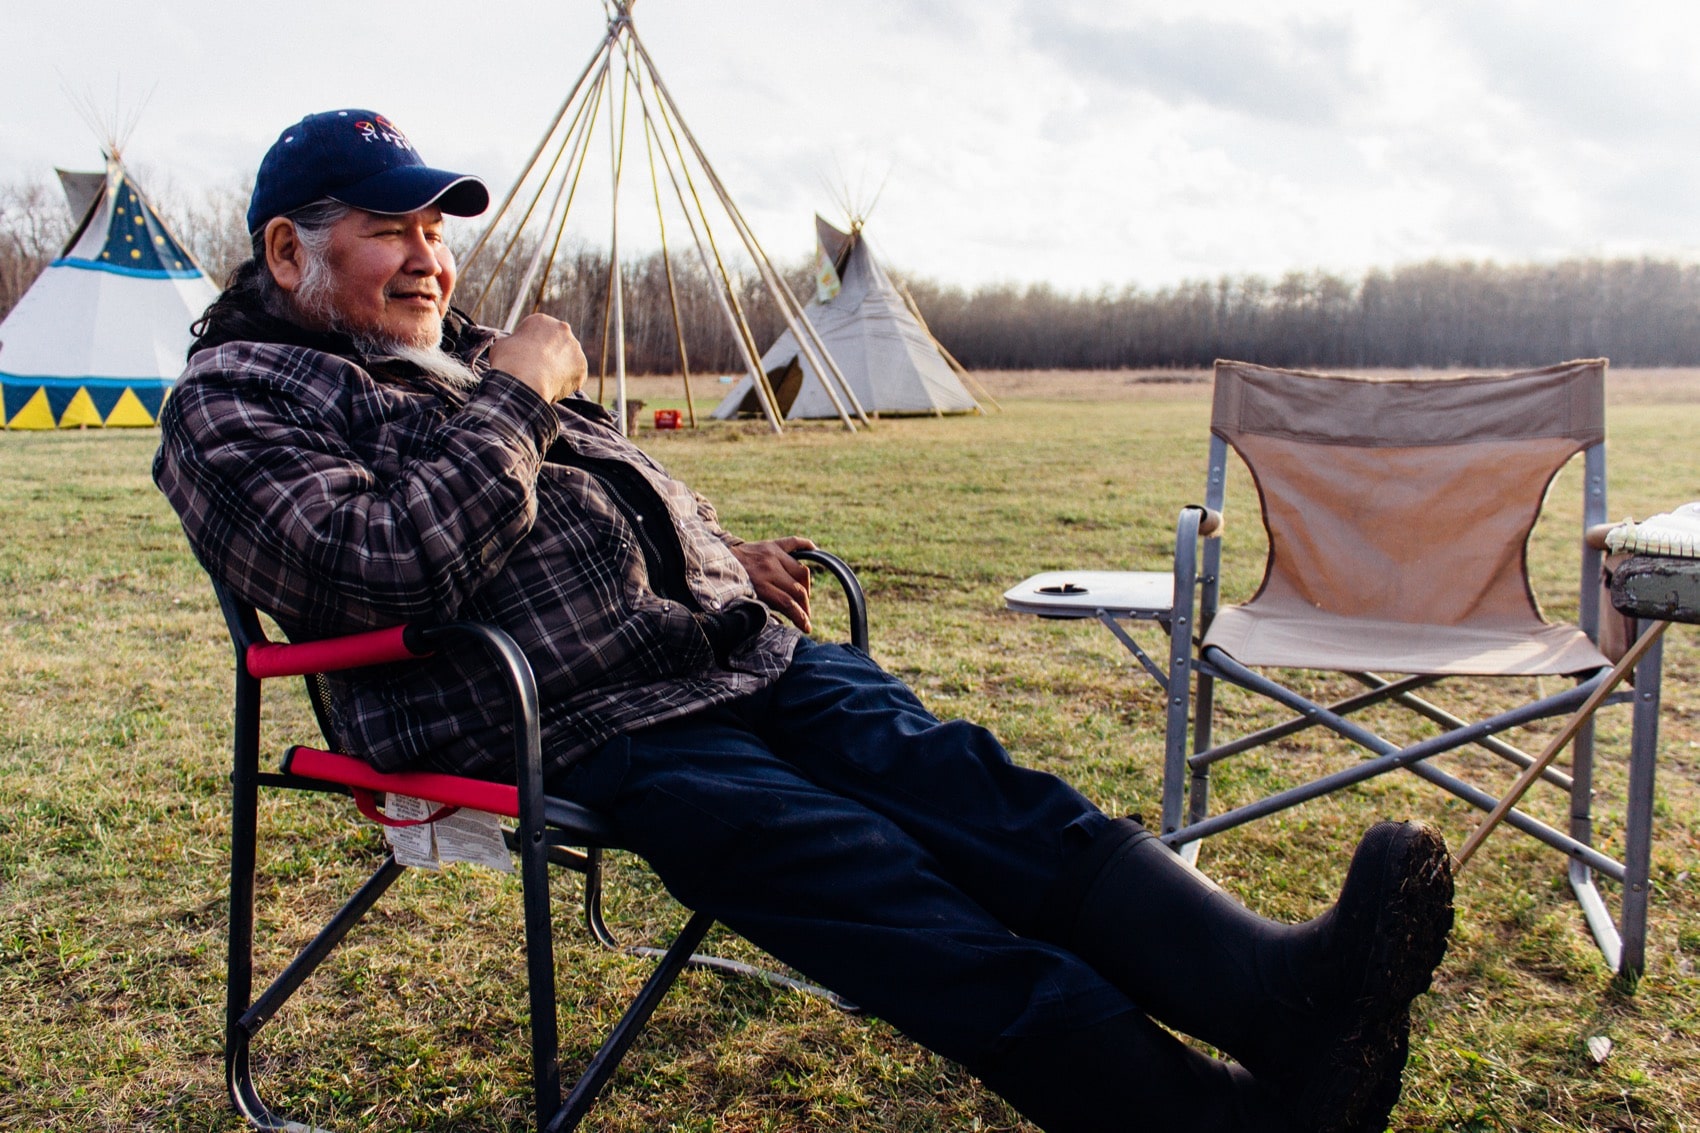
{"points": [[558, 162], [574, 138], [808, 339], [726, 293]]}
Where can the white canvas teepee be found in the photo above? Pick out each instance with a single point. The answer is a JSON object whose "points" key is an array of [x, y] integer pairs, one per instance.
{"points": [[101, 334], [890, 360]]}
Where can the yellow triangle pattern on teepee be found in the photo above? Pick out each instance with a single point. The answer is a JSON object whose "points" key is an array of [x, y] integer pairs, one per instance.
{"points": [[36, 414], [81, 411], [129, 411]]}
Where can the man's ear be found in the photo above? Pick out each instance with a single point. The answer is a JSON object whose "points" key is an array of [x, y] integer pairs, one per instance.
{"points": [[284, 254]]}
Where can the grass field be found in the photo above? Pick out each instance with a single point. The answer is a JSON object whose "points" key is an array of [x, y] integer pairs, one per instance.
{"points": [[114, 674]]}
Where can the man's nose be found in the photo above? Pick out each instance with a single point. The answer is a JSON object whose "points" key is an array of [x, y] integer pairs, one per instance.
{"points": [[423, 255]]}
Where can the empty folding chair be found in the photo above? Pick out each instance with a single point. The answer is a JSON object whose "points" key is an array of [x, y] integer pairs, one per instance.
{"points": [[1398, 516]]}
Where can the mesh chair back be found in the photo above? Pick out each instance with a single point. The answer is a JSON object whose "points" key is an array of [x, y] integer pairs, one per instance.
{"points": [[1398, 514], [323, 699]]}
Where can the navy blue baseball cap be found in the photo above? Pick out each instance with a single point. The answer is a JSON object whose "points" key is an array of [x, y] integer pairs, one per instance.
{"points": [[359, 158]]}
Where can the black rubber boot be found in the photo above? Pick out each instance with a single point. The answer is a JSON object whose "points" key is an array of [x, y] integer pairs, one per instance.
{"points": [[1127, 1074], [1319, 1012]]}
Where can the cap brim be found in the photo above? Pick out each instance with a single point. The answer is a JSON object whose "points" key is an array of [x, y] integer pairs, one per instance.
{"points": [[409, 188]]}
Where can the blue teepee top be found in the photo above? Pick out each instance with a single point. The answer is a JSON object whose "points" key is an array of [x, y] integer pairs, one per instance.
{"points": [[137, 242]]}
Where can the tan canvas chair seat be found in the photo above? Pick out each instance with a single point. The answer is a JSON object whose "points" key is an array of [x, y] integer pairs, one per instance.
{"points": [[1314, 639]]}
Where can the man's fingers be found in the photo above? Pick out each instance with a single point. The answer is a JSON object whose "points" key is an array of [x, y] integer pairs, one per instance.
{"points": [[799, 614], [780, 581], [543, 354], [788, 593]]}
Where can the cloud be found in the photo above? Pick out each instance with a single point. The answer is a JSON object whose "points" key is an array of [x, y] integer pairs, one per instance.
{"points": [[1593, 72], [1075, 141], [1299, 71]]}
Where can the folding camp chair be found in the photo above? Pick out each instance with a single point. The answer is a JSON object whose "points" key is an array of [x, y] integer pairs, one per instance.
{"points": [[549, 831], [1398, 515]]}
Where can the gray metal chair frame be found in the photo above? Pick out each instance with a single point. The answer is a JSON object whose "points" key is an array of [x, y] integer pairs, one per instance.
{"points": [[1185, 602]]}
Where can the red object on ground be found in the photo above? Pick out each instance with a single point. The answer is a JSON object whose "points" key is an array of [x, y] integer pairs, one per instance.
{"points": [[666, 418]]}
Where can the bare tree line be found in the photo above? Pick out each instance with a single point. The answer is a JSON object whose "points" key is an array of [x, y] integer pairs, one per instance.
{"points": [[1440, 313], [1637, 312]]}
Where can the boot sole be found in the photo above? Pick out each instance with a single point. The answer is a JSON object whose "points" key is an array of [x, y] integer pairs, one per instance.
{"points": [[1410, 933]]}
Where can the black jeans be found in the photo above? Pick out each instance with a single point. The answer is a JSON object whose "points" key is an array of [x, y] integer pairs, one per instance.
{"points": [[837, 824]]}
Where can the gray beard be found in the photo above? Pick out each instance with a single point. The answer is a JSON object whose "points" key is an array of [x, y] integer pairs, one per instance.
{"points": [[312, 298], [434, 360]]}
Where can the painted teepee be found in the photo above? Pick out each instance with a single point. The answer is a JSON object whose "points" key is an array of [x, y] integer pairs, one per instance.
{"points": [[101, 334], [891, 361]]}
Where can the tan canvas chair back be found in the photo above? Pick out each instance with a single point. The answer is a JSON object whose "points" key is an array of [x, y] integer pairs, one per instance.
{"points": [[1398, 514]]}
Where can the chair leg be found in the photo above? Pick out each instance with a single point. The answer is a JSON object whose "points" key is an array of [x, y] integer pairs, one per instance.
{"points": [[1638, 824], [1175, 746], [593, 921], [1204, 719], [1581, 876], [607, 1058], [598, 927], [244, 1019], [1178, 689], [239, 946]]}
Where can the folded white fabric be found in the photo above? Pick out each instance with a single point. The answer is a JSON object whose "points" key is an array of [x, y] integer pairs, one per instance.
{"points": [[1675, 533]]}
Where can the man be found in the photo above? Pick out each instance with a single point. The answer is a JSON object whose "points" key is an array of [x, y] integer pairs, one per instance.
{"points": [[346, 452]]}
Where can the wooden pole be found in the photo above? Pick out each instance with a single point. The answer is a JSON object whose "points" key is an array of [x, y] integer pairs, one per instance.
{"points": [[723, 295], [667, 266], [572, 142], [531, 162], [617, 155], [560, 207], [741, 324], [1622, 669]]}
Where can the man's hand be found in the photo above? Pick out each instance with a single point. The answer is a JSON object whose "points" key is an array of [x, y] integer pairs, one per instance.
{"points": [[780, 580], [543, 354]]}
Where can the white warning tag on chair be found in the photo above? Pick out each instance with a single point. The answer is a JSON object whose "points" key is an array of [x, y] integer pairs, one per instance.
{"points": [[473, 836], [412, 845], [465, 836]]}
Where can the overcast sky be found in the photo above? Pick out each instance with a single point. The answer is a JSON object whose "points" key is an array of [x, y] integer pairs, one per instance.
{"points": [[1080, 142]]}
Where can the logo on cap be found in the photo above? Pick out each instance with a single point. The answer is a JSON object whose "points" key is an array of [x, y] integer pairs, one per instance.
{"points": [[381, 129]]}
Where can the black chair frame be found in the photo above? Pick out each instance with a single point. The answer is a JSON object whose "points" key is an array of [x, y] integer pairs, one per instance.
{"points": [[548, 831]]}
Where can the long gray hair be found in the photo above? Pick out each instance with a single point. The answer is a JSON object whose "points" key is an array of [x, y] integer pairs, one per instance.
{"points": [[313, 224], [252, 286]]}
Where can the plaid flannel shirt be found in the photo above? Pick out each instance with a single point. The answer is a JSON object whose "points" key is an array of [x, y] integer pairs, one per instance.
{"points": [[341, 493]]}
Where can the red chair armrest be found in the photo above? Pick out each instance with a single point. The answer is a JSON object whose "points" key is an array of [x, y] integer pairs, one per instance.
{"points": [[432, 786], [376, 647]]}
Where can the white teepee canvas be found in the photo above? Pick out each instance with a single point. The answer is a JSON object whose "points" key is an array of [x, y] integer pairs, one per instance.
{"points": [[890, 360], [101, 334]]}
